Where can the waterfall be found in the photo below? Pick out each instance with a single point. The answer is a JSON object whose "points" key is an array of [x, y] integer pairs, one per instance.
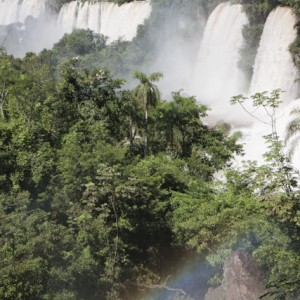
{"points": [[217, 76], [273, 66], [44, 28], [122, 21], [12, 11], [273, 69], [105, 18], [67, 16], [94, 17], [80, 15]]}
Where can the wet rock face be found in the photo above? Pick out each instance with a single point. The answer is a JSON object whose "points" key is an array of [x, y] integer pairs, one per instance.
{"points": [[241, 279]]}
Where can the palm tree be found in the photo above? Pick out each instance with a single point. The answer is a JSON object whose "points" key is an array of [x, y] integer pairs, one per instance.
{"points": [[148, 94], [293, 132]]}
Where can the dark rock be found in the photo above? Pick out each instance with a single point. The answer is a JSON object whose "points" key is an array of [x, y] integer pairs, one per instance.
{"points": [[242, 279]]}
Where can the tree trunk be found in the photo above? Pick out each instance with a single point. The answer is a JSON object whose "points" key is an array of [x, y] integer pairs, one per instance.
{"points": [[146, 134]]}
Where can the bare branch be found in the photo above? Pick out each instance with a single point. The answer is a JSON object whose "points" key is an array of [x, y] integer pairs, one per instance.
{"points": [[253, 116]]}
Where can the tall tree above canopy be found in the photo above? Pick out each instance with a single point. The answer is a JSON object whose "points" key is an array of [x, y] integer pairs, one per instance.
{"points": [[148, 94]]}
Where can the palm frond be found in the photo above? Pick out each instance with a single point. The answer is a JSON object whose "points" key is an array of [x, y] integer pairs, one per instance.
{"points": [[155, 76], [147, 92], [142, 77]]}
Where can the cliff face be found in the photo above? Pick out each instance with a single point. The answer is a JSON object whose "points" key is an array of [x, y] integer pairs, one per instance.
{"points": [[241, 279]]}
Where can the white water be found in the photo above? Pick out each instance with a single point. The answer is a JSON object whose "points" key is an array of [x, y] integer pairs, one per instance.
{"points": [[123, 21], [274, 67], [12, 11], [79, 15], [106, 18], [46, 28], [217, 76], [68, 16]]}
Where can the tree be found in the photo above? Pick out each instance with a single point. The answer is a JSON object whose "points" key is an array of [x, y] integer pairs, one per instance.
{"points": [[177, 124], [148, 95], [276, 186], [79, 42]]}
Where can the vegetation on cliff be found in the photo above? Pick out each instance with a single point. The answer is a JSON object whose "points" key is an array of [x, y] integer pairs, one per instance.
{"points": [[87, 213], [103, 195]]}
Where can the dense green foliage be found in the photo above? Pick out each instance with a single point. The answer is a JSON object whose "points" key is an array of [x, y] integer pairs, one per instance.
{"points": [[276, 184], [105, 190], [85, 212]]}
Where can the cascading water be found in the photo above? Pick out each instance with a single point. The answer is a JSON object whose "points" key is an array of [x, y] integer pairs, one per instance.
{"points": [[106, 18], [274, 67], [12, 11], [80, 15], [122, 21], [68, 16], [217, 75]]}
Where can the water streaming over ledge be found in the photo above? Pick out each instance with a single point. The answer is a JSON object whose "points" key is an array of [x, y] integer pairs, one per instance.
{"points": [[12, 11], [217, 75], [106, 18], [274, 67]]}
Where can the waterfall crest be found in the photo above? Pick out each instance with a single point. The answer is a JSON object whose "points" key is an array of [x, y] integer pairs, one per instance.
{"points": [[217, 75], [122, 21], [274, 67], [105, 18], [80, 15]]}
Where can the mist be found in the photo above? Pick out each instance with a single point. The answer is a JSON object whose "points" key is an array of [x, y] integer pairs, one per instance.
{"points": [[30, 26], [196, 48], [33, 35], [199, 53], [206, 65]]}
